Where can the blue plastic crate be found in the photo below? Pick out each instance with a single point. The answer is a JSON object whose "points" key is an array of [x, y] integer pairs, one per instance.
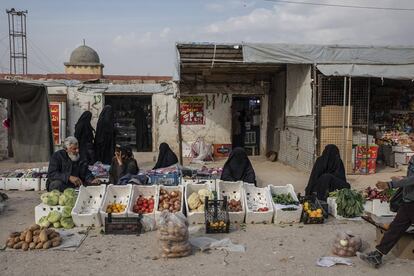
{"points": [[171, 179]]}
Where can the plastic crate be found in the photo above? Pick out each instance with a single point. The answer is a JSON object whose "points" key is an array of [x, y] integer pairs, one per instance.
{"points": [[216, 211], [123, 225], [86, 209], [145, 191], [179, 188], [256, 198], [285, 216], [194, 217], [378, 208], [43, 182], [2, 183], [116, 193], [30, 184], [308, 220], [13, 183], [44, 210], [170, 179], [233, 190]]}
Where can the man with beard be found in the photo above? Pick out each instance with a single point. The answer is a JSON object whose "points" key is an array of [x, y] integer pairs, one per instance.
{"points": [[66, 170]]}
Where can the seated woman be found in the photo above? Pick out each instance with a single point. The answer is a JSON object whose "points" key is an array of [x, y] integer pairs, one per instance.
{"points": [[328, 174], [122, 164], [166, 157], [238, 167]]}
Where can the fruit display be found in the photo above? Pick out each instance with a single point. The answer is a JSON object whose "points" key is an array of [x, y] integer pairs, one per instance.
{"points": [[170, 201], [115, 208], [311, 210], [284, 199], [346, 244], [263, 209], [235, 206], [144, 205], [219, 225], [350, 203], [53, 198], [34, 237], [173, 235], [196, 200]]}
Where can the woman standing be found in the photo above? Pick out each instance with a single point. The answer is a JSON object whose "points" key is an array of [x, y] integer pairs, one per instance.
{"points": [[105, 136], [84, 133]]}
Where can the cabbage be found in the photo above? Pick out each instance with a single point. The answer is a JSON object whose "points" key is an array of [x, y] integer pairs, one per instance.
{"points": [[43, 222], [53, 216], [70, 192], [66, 212], [67, 200], [67, 223], [57, 225], [50, 199], [203, 193], [63, 199], [56, 192]]}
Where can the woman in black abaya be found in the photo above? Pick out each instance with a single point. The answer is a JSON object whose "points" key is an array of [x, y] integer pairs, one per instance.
{"points": [[238, 167], [328, 174], [166, 157], [105, 136], [84, 133]]}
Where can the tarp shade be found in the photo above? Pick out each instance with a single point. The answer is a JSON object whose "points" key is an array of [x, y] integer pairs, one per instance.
{"points": [[402, 72], [31, 130]]}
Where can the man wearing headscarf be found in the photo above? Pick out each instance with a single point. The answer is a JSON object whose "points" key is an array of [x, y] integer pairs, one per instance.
{"points": [[105, 136], [328, 174], [166, 157], [84, 133], [238, 167], [122, 164]]}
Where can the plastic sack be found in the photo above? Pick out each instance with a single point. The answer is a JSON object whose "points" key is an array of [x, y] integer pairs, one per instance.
{"points": [[205, 243], [346, 244], [173, 235], [201, 151]]}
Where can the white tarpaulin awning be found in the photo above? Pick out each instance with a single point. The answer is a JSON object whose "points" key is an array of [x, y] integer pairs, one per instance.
{"points": [[396, 62]]}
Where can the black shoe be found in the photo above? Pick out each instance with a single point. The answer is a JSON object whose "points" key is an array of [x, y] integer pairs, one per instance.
{"points": [[373, 258]]}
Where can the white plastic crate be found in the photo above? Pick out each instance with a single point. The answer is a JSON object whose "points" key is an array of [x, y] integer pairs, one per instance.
{"points": [[86, 209], [281, 216], [13, 183], [169, 189], [115, 193], [378, 208], [29, 184], [2, 183], [44, 210], [194, 217], [233, 190], [147, 192], [43, 184], [256, 198]]}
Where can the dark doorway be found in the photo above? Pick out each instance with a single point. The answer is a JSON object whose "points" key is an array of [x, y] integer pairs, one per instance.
{"points": [[246, 124], [133, 120]]}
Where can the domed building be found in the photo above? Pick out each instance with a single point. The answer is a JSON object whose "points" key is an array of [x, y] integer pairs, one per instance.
{"points": [[84, 60]]}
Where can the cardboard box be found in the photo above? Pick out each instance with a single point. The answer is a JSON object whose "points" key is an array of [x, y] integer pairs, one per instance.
{"points": [[333, 115], [336, 134], [404, 249], [222, 150], [402, 158]]}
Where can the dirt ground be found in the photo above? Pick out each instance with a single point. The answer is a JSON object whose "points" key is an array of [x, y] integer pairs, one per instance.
{"points": [[270, 249]]}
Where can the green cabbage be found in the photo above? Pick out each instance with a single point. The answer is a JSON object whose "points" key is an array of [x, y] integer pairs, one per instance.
{"points": [[70, 192], [67, 223], [57, 225], [66, 212], [50, 199], [67, 200], [43, 222], [54, 216], [56, 192]]}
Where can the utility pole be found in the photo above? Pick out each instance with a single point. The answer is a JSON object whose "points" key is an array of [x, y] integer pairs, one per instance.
{"points": [[17, 41]]}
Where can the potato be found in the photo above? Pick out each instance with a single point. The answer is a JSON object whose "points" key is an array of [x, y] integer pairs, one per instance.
{"points": [[32, 245], [15, 234], [47, 245], [49, 231], [54, 235], [18, 245], [34, 227], [43, 236], [25, 246], [39, 245], [29, 237], [23, 236], [36, 232], [36, 239], [56, 243], [56, 239], [16, 239]]}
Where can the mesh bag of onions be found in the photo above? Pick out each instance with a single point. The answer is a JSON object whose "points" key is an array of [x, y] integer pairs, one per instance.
{"points": [[346, 244], [173, 235]]}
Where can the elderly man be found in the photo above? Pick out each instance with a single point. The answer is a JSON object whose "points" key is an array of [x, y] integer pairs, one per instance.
{"points": [[66, 170]]}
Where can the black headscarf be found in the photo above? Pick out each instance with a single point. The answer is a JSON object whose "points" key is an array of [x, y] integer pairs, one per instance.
{"points": [[238, 167], [166, 157], [84, 133], [329, 162], [105, 136]]}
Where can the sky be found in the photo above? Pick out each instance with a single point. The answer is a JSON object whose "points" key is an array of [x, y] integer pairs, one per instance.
{"points": [[137, 37]]}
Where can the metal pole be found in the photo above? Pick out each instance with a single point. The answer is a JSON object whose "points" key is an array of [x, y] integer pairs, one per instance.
{"points": [[10, 43], [343, 120], [349, 119], [369, 97], [14, 45], [315, 117], [180, 135]]}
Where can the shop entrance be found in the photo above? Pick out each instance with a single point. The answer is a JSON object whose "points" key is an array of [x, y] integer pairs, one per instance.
{"points": [[133, 121], [246, 124]]}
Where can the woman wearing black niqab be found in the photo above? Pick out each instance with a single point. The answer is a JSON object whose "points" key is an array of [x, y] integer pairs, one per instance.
{"points": [[84, 133], [238, 167], [328, 174], [105, 136], [166, 157]]}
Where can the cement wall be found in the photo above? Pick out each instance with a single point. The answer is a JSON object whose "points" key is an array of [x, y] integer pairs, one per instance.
{"points": [[3, 131]]}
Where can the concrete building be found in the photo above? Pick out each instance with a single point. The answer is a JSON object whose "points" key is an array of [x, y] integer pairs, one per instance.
{"points": [[84, 60]]}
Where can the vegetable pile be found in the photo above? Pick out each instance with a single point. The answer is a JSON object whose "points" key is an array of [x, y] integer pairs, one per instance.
{"points": [[170, 201], [311, 210], [372, 193], [350, 203], [218, 225], [143, 205], [196, 200], [53, 198], [57, 219], [115, 208], [346, 244], [284, 199], [235, 206], [34, 237]]}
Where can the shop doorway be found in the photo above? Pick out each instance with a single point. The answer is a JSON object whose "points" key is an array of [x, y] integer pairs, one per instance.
{"points": [[246, 124], [133, 120]]}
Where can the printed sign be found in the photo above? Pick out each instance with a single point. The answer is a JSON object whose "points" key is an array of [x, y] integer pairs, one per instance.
{"points": [[192, 110], [55, 109]]}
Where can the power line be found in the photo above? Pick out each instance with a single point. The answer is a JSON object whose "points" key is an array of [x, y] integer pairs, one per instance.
{"points": [[342, 6], [40, 64], [37, 48]]}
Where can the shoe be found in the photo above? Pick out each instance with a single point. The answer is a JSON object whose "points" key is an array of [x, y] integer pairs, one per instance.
{"points": [[373, 258]]}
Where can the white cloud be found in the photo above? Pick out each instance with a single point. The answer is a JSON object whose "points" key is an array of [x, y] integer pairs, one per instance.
{"points": [[165, 32], [215, 7]]}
